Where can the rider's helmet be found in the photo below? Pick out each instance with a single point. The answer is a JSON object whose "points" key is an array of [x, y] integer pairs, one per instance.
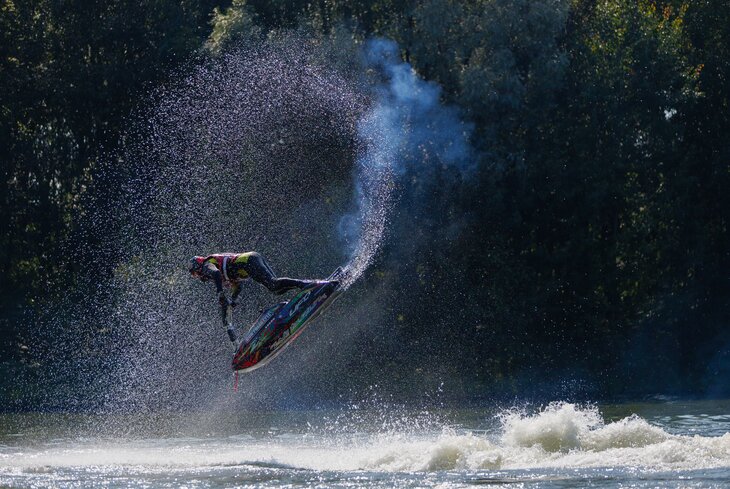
{"points": [[196, 266]]}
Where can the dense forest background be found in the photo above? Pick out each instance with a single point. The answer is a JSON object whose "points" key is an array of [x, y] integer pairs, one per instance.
{"points": [[589, 246]]}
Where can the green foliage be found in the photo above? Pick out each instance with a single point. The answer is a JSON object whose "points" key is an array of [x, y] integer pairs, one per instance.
{"points": [[237, 22], [599, 212], [71, 72]]}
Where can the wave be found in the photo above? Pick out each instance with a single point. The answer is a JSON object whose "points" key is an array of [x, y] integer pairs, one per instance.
{"points": [[561, 435]]}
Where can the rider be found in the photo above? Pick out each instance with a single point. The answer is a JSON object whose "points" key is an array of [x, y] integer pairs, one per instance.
{"points": [[230, 269]]}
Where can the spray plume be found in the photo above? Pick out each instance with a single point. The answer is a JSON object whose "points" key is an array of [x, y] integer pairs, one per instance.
{"points": [[406, 130], [252, 150]]}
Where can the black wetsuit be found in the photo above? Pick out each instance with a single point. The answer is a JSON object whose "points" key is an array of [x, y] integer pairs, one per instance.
{"points": [[230, 269]]}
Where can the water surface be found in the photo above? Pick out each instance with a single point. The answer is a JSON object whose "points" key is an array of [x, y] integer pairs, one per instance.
{"points": [[561, 445]]}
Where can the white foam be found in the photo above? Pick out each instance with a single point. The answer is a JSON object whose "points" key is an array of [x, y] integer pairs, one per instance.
{"points": [[560, 436], [628, 432], [559, 427]]}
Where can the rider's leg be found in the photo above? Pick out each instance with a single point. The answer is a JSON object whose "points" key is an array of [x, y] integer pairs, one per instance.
{"points": [[259, 270]]}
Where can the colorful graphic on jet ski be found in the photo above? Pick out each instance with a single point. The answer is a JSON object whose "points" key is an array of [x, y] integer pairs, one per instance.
{"points": [[279, 325]]}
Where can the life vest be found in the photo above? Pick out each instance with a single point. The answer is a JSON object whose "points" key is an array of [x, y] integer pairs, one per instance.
{"points": [[231, 265]]}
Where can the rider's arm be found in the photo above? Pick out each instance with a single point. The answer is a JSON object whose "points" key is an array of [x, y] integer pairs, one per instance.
{"points": [[236, 292], [228, 314], [211, 271]]}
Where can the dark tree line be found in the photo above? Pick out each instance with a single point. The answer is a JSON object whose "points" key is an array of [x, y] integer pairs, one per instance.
{"points": [[592, 241], [71, 72]]}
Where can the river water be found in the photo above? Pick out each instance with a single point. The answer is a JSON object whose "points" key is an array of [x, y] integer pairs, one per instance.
{"points": [[559, 445]]}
